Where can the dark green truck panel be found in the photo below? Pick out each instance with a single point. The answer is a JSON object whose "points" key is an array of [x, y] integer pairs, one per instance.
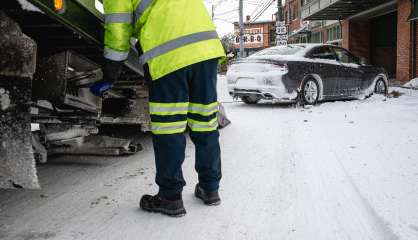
{"points": [[82, 17], [79, 15]]}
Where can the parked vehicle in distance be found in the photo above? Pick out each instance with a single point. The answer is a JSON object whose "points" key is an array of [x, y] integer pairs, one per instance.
{"points": [[304, 72]]}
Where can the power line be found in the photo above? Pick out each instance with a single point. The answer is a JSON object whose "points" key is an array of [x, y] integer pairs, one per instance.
{"points": [[260, 13], [227, 12], [259, 6]]}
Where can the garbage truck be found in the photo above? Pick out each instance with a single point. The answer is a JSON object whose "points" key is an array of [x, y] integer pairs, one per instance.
{"points": [[50, 53]]}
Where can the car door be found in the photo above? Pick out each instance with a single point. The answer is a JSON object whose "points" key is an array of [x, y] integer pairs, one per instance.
{"points": [[351, 75], [325, 65]]}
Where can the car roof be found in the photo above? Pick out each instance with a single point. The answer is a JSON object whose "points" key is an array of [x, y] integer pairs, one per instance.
{"points": [[312, 45], [307, 46]]}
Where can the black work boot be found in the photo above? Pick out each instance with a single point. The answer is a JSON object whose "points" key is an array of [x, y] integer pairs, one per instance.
{"points": [[155, 203], [209, 198]]}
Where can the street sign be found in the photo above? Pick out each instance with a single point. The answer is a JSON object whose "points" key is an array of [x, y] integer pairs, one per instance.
{"points": [[281, 30], [281, 24], [281, 43], [282, 37], [281, 33]]}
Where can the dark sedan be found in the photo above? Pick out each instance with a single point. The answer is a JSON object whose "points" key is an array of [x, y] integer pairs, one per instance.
{"points": [[304, 72]]}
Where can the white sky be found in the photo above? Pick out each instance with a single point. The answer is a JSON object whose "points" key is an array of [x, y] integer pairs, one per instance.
{"points": [[226, 12]]}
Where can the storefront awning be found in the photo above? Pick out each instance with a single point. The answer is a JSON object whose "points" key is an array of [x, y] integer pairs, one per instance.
{"points": [[336, 10], [302, 30]]}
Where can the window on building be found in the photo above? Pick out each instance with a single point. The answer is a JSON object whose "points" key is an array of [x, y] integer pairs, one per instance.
{"points": [[316, 37], [334, 33]]}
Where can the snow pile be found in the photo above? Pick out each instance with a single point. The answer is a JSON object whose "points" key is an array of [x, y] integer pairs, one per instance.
{"points": [[412, 84], [35, 127], [4, 99], [29, 6]]}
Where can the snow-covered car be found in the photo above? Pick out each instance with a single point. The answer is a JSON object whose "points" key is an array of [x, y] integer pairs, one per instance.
{"points": [[304, 72]]}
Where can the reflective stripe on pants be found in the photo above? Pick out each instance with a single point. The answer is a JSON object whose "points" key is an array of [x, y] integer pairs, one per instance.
{"points": [[185, 97]]}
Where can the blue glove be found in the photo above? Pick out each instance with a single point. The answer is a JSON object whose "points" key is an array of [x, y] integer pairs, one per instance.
{"points": [[99, 88]]}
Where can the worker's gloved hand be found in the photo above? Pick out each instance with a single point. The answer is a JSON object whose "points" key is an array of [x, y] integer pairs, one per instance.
{"points": [[111, 71], [100, 88]]}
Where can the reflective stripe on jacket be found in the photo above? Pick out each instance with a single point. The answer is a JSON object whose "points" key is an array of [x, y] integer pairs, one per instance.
{"points": [[172, 34]]}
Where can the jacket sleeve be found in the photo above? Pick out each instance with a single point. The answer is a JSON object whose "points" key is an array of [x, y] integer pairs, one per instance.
{"points": [[118, 29]]}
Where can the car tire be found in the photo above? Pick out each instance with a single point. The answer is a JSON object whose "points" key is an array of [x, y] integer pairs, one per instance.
{"points": [[380, 87], [250, 99], [310, 92]]}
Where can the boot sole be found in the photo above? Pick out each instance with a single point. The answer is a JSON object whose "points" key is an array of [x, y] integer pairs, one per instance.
{"points": [[175, 213], [208, 202]]}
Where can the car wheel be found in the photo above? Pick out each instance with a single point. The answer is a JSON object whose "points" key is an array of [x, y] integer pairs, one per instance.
{"points": [[380, 87], [250, 99], [310, 92]]}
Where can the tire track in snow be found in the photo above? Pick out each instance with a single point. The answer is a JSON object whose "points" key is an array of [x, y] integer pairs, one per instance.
{"points": [[382, 227], [329, 205]]}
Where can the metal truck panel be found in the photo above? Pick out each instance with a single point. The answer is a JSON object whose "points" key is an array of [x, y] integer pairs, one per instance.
{"points": [[17, 66], [85, 19]]}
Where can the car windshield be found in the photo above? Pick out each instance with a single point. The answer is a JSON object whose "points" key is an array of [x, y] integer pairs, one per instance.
{"points": [[283, 50]]}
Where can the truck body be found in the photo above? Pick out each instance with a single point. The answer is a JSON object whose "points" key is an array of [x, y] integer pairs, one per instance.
{"points": [[50, 53]]}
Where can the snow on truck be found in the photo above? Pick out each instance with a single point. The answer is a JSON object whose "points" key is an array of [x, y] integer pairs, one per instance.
{"points": [[50, 53]]}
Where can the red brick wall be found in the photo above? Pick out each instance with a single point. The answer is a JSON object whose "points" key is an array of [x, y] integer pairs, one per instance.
{"points": [[266, 35], [356, 38], [416, 50], [346, 34], [296, 23], [360, 39], [404, 41]]}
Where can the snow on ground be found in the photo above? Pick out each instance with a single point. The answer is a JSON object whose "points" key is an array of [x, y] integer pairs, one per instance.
{"points": [[4, 99], [412, 84], [339, 170]]}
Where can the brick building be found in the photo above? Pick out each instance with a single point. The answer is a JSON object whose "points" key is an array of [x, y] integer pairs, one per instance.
{"points": [[257, 36], [300, 31], [377, 30]]}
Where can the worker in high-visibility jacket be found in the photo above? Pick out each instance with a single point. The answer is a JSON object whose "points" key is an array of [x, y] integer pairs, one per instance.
{"points": [[180, 53]]}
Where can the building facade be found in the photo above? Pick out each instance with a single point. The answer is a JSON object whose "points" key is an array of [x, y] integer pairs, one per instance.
{"points": [[377, 30], [301, 31], [257, 36]]}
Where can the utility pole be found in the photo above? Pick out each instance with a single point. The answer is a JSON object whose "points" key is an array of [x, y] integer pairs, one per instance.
{"points": [[279, 10], [281, 29], [213, 12], [241, 29]]}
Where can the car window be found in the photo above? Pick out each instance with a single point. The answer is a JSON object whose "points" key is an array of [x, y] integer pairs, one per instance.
{"points": [[345, 56], [283, 50], [323, 52]]}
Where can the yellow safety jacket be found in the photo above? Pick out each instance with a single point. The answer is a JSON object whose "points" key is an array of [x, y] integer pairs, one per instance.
{"points": [[172, 33]]}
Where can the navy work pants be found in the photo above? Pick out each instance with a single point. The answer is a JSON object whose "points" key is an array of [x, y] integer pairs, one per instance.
{"points": [[185, 98]]}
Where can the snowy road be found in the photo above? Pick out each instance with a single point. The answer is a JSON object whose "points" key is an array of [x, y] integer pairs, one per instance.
{"points": [[340, 170]]}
